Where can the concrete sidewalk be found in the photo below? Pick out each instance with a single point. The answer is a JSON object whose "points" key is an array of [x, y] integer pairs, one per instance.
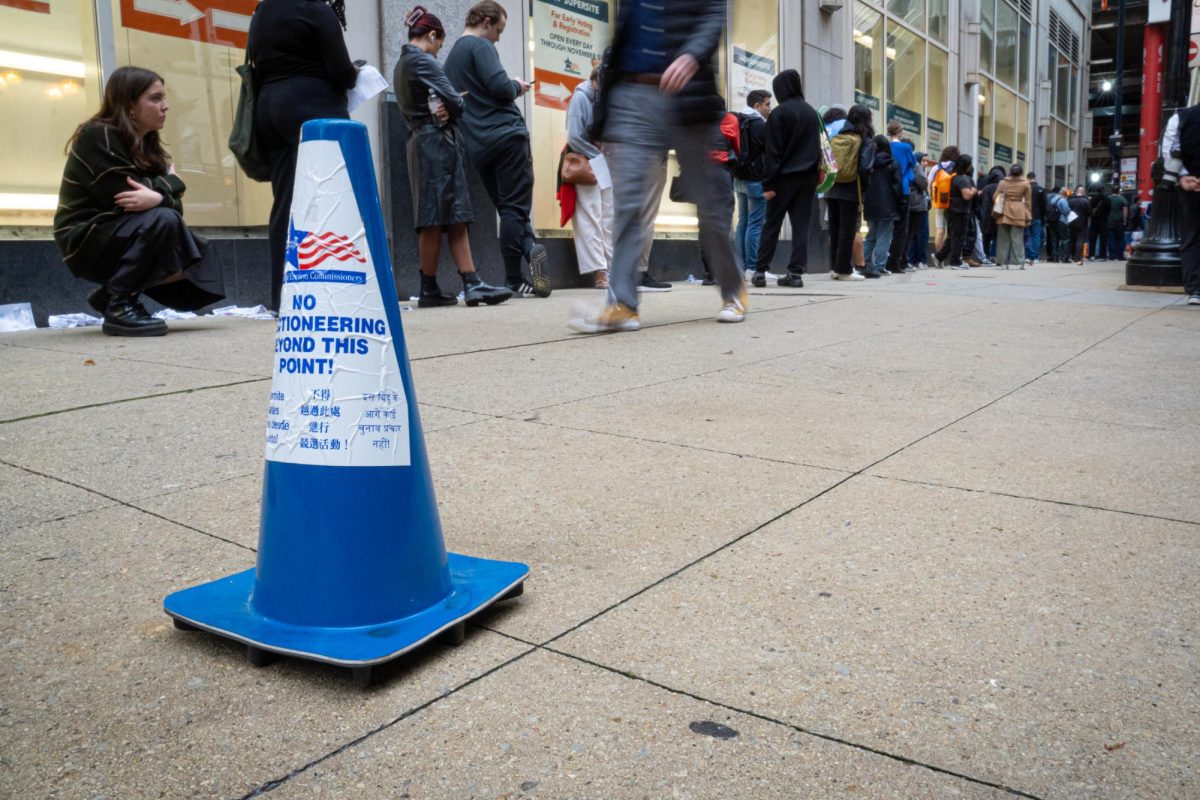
{"points": [[935, 535]]}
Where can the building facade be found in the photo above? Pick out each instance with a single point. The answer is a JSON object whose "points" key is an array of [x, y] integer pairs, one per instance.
{"points": [[1002, 79]]}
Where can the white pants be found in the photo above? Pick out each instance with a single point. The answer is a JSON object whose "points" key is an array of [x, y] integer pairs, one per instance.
{"points": [[593, 224]]}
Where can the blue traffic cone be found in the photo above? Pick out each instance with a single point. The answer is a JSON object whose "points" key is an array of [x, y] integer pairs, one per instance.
{"points": [[352, 568]]}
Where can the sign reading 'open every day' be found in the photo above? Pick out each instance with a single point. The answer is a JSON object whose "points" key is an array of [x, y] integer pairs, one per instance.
{"points": [[223, 22]]}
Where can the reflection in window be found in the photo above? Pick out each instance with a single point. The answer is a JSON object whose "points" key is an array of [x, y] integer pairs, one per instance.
{"points": [[910, 12], [1006, 43], [987, 34], [906, 82], [49, 83], [868, 60], [1023, 56], [939, 19], [987, 104]]}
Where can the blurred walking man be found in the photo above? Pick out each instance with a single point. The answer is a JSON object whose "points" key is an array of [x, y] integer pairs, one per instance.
{"points": [[659, 91]]}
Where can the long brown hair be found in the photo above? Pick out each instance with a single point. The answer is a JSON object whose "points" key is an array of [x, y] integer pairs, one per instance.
{"points": [[122, 91]]}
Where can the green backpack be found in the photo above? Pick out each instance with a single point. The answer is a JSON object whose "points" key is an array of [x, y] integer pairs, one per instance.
{"points": [[846, 147]]}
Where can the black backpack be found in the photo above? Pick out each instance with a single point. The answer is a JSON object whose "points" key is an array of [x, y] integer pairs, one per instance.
{"points": [[749, 157], [1052, 212]]}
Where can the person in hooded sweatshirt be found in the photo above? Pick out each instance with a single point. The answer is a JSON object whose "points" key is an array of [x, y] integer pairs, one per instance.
{"points": [[883, 192], [790, 163]]}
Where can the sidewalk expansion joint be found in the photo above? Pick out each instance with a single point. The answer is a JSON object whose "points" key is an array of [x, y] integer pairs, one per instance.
{"points": [[275, 783], [122, 503], [1049, 500], [784, 723], [107, 403], [168, 364]]}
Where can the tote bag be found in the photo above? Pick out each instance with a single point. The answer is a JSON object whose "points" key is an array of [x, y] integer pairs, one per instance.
{"points": [[241, 139]]}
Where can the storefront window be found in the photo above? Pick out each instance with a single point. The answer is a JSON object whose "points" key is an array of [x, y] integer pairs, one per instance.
{"points": [[987, 104], [1023, 58], [1005, 138], [868, 61], [49, 83], [1006, 43], [1023, 134], [939, 19], [910, 12], [935, 126], [906, 82], [197, 63], [564, 45]]}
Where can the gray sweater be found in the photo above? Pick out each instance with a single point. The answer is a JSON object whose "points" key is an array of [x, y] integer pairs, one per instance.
{"points": [[491, 117], [579, 120]]}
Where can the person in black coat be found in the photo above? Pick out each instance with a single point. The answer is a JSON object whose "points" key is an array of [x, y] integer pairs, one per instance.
{"points": [[301, 72], [1101, 206], [1077, 228], [790, 163], [883, 194]]}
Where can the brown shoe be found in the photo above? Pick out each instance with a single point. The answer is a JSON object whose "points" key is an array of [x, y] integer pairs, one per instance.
{"points": [[601, 278]]}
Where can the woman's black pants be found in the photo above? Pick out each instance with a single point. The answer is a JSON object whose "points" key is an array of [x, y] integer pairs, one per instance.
{"points": [[280, 108]]}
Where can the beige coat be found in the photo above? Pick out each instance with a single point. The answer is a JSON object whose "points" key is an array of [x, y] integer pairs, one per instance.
{"points": [[1018, 202]]}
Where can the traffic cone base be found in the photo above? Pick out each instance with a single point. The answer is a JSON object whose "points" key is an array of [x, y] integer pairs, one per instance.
{"points": [[223, 607]]}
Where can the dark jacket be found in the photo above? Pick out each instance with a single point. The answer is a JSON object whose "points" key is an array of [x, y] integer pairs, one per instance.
{"points": [[299, 38], [793, 142], [753, 129], [98, 164], [1039, 200], [884, 188], [1100, 208], [416, 77], [492, 117], [1082, 208], [692, 27]]}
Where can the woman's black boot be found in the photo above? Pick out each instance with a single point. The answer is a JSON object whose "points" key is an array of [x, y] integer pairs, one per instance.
{"points": [[125, 316], [475, 291], [432, 295]]}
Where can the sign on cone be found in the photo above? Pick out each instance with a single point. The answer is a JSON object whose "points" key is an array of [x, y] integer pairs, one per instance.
{"points": [[352, 568]]}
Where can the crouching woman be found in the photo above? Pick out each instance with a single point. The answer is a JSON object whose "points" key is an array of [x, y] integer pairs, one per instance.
{"points": [[119, 221]]}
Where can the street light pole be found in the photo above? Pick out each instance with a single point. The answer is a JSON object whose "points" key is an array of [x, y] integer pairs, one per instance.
{"points": [[1155, 261], [1116, 143]]}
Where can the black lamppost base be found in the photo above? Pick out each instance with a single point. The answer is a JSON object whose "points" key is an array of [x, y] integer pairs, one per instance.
{"points": [[1156, 259]]}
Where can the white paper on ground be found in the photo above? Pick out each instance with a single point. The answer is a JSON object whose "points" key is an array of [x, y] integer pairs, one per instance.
{"points": [[370, 83], [600, 170], [16, 317], [255, 312], [72, 321], [170, 314]]}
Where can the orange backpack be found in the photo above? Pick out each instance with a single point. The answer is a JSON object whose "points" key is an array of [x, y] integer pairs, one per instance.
{"points": [[940, 190]]}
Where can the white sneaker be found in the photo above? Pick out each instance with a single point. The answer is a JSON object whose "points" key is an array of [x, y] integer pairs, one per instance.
{"points": [[1194, 300], [853, 276], [922, 266], [734, 310]]}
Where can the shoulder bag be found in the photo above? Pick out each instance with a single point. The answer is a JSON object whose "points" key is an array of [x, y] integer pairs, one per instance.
{"points": [[242, 142], [577, 170]]}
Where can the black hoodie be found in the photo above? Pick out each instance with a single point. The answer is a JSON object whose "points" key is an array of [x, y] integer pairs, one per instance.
{"points": [[793, 136]]}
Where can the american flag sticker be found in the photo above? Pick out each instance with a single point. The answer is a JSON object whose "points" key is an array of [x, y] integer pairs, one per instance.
{"points": [[326, 257]]}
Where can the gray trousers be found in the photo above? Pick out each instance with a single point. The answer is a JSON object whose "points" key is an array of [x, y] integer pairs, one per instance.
{"points": [[636, 139]]}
